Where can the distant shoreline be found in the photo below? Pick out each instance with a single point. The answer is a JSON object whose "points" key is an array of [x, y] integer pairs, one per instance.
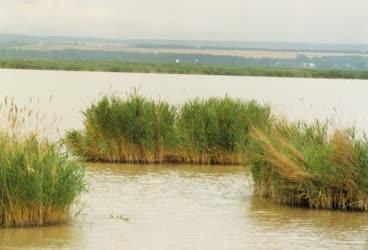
{"points": [[172, 68]]}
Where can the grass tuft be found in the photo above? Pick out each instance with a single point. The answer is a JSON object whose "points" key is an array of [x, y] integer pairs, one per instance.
{"points": [[216, 131], [131, 129], [136, 129], [39, 181], [305, 165]]}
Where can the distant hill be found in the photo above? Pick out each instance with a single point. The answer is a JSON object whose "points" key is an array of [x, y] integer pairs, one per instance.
{"points": [[249, 54], [317, 47]]}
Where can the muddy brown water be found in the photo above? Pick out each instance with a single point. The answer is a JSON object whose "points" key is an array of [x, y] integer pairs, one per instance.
{"points": [[188, 207]]}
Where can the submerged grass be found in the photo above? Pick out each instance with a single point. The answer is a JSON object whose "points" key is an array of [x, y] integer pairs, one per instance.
{"points": [[306, 165], [136, 129], [38, 180]]}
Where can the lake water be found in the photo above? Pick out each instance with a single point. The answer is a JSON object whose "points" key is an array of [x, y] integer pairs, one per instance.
{"points": [[188, 207], [344, 101]]}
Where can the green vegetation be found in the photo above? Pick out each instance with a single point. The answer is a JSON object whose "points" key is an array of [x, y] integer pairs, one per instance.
{"points": [[114, 66], [216, 130], [125, 130], [135, 129], [39, 181], [306, 165], [291, 163]]}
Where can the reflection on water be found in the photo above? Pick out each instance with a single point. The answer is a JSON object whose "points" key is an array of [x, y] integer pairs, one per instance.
{"points": [[285, 216], [322, 229], [51, 237], [188, 207]]}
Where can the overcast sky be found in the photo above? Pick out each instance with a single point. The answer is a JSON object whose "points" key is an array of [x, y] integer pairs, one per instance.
{"points": [[324, 21]]}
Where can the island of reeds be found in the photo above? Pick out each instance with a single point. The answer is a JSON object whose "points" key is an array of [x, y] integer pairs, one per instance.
{"points": [[310, 165], [299, 164], [136, 129], [39, 182]]}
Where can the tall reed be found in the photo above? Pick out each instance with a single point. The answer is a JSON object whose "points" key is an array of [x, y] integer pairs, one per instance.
{"points": [[39, 181], [216, 130], [306, 165], [136, 129], [119, 129]]}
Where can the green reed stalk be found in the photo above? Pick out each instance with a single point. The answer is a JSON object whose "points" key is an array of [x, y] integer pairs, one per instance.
{"points": [[306, 165], [39, 182], [136, 129], [132, 129]]}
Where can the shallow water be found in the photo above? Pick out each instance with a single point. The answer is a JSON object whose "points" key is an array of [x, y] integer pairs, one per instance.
{"points": [[188, 207], [343, 101]]}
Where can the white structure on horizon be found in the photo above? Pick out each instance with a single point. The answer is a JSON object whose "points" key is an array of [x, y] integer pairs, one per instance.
{"points": [[309, 65], [177, 61]]}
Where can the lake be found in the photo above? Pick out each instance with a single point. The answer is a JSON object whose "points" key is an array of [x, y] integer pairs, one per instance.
{"points": [[188, 207], [342, 101]]}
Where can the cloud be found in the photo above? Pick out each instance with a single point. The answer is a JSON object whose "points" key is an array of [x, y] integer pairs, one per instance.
{"points": [[256, 20]]}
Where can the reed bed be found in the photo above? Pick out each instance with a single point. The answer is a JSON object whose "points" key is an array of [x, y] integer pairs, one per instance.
{"points": [[39, 180], [216, 131], [310, 166], [119, 129], [133, 128], [299, 164]]}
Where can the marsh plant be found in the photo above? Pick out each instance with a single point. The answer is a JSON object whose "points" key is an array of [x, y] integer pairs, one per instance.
{"points": [[38, 179], [125, 129], [133, 128], [216, 130], [310, 165], [299, 164]]}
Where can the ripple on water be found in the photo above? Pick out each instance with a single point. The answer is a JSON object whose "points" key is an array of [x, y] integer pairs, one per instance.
{"points": [[188, 207]]}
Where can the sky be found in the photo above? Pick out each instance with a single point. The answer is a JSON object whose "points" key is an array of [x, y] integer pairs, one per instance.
{"points": [[309, 21]]}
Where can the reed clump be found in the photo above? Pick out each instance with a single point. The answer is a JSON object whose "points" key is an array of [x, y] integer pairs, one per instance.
{"points": [[310, 166], [119, 129], [39, 182], [216, 130], [136, 129]]}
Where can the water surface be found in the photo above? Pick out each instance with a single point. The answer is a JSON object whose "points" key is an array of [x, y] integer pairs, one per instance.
{"points": [[343, 101], [188, 207]]}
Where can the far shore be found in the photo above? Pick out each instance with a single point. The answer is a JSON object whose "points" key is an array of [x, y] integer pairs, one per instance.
{"points": [[173, 68]]}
